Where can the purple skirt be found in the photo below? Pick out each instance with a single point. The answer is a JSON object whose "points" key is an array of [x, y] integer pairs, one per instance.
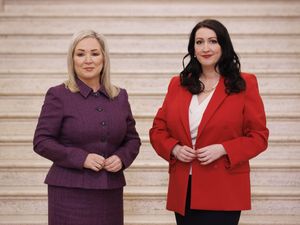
{"points": [[76, 206]]}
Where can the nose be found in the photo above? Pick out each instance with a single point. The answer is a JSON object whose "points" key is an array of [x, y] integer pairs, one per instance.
{"points": [[205, 47], [88, 59]]}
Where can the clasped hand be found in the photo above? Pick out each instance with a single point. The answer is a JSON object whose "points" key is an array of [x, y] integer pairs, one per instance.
{"points": [[97, 162], [205, 155]]}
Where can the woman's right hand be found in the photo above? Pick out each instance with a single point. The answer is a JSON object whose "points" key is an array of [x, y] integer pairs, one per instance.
{"points": [[184, 153], [94, 162]]}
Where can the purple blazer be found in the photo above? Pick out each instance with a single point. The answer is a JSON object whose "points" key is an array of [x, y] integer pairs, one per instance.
{"points": [[72, 125]]}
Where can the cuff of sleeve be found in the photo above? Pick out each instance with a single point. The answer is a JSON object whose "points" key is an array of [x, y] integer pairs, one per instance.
{"points": [[122, 158], [230, 162], [170, 157], [78, 158], [126, 155]]}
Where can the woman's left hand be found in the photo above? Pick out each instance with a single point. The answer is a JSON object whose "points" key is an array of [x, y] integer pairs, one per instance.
{"points": [[113, 164], [210, 153]]}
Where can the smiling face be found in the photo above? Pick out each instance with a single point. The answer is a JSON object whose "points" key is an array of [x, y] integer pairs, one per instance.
{"points": [[88, 60], [207, 49]]}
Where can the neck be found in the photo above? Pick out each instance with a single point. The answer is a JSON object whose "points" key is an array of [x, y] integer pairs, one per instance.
{"points": [[210, 78], [209, 73]]}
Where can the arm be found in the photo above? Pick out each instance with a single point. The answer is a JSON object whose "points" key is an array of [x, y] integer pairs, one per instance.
{"points": [[160, 138], [47, 134], [255, 139], [131, 143]]}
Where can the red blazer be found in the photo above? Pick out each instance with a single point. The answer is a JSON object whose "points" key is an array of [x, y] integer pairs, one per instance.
{"points": [[236, 121]]}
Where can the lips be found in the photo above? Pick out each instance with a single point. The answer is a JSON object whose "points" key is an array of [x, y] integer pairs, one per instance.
{"points": [[88, 68], [206, 56]]}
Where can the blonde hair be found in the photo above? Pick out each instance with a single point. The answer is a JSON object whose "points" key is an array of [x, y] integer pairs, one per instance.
{"points": [[111, 90]]}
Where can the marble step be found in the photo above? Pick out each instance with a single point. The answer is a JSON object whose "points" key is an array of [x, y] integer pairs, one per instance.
{"points": [[152, 172], [132, 219], [141, 200], [22, 106], [165, 63], [152, 8], [136, 84], [275, 151], [18, 24], [159, 44], [17, 128]]}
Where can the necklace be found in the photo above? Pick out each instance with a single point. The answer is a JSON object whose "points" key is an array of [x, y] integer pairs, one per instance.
{"points": [[211, 89]]}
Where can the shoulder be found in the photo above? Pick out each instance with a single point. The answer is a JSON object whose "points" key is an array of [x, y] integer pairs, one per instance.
{"points": [[58, 94], [250, 79], [123, 92], [123, 95], [58, 90], [174, 82]]}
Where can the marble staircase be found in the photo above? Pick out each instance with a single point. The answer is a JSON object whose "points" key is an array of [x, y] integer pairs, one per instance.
{"points": [[147, 40]]}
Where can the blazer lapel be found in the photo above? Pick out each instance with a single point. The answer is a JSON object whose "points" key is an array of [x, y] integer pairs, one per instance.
{"points": [[215, 101], [184, 104]]}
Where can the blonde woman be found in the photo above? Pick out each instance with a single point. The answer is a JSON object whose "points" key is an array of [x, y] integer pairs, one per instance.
{"points": [[87, 130]]}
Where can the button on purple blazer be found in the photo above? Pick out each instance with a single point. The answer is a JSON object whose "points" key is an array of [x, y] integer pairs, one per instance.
{"points": [[72, 125]]}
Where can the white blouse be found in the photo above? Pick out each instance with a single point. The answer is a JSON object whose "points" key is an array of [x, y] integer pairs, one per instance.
{"points": [[196, 111]]}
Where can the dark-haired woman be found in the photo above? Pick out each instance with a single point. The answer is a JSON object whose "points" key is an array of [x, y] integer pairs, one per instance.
{"points": [[211, 123]]}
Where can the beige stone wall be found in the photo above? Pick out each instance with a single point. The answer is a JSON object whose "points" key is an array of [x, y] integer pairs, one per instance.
{"points": [[147, 41]]}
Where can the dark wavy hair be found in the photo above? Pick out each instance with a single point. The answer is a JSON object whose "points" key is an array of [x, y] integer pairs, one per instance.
{"points": [[228, 65]]}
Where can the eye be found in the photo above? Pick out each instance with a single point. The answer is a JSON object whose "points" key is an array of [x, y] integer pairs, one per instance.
{"points": [[199, 42], [214, 41], [79, 54], [95, 54]]}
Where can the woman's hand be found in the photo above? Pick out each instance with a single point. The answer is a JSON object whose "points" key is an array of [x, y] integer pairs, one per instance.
{"points": [[184, 153], [113, 164], [210, 153], [94, 162]]}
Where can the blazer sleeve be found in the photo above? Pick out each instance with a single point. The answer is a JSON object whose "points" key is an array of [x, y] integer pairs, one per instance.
{"points": [[129, 149], [47, 132], [255, 138], [160, 138]]}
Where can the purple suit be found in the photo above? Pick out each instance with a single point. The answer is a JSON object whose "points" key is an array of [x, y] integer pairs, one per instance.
{"points": [[72, 125]]}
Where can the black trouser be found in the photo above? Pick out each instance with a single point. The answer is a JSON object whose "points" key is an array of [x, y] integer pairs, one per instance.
{"points": [[206, 217]]}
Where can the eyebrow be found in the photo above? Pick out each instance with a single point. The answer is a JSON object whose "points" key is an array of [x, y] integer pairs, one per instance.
{"points": [[203, 38], [91, 50]]}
